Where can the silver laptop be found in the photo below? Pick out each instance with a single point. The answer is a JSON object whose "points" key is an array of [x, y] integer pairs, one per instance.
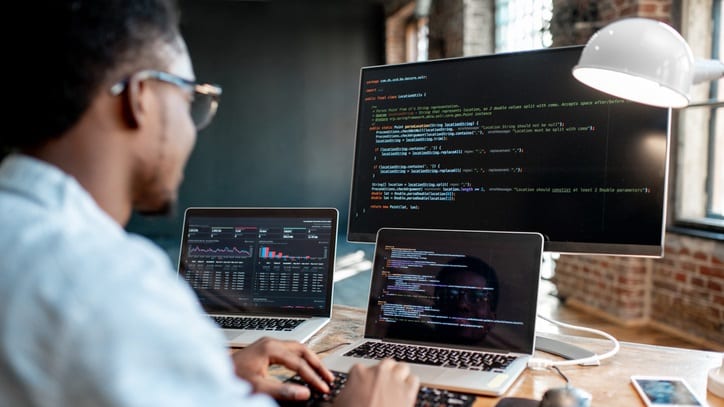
{"points": [[261, 271], [458, 306]]}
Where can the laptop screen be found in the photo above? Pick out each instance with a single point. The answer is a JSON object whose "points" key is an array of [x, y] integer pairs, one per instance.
{"points": [[471, 289], [260, 261]]}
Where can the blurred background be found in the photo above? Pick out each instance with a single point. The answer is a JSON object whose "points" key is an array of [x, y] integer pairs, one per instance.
{"points": [[284, 134]]}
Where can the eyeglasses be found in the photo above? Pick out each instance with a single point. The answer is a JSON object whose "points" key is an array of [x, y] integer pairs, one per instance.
{"points": [[204, 96], [473, 296]]}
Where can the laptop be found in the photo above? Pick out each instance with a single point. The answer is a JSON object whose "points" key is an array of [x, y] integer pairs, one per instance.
{"points": [[458, 306], [261, 271]]}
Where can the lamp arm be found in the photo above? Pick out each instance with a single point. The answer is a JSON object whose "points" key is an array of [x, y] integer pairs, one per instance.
{"points": [[707, 70]]}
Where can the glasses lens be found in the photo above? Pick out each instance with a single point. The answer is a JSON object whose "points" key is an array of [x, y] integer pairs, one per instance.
{"points": [[203, 109], [470, 295]]}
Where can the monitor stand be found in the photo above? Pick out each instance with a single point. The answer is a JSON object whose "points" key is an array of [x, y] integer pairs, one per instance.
{"points": [[562, 349], [550, 345]]}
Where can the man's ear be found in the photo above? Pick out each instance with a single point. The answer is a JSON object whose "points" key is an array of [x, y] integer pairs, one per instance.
{"points": [[134, 106]]}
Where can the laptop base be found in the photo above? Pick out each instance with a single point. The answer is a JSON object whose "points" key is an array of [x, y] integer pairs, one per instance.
{"points": [[562, 349]]}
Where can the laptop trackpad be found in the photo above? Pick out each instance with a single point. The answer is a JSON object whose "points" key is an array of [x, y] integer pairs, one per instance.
{"points": [[230, 334], [429, 374], [455, 378]]}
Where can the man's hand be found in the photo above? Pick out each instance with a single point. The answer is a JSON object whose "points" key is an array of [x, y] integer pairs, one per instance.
{"points": [[252, 364], [388, 383]]}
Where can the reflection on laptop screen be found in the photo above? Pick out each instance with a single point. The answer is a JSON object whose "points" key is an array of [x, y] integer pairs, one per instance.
{"points": [[455, 291], [244, 264]]}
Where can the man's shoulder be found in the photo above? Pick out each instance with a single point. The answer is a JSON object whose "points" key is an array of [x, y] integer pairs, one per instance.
{"points": [[45, 249]]}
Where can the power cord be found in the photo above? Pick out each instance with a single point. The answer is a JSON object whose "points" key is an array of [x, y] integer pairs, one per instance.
{"points": [[568, 382], [541, 363]]}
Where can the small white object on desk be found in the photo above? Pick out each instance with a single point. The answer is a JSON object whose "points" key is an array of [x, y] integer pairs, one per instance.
{"points": [[715, 384]]}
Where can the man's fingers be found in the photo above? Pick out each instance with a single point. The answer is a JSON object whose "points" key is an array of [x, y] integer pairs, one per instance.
{"points": [[414, 382], [281, 391], [311, 376], [297, 357], [401, 370], [316, 363]]}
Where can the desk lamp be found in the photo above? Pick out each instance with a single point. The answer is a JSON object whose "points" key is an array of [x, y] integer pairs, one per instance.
{"points": [[645, 61]]}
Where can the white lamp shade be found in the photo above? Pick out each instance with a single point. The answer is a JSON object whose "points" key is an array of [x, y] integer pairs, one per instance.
{"points": [[639, 59]]}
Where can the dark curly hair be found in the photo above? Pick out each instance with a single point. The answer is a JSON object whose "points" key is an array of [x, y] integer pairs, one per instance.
{"points": [[80, 47]]}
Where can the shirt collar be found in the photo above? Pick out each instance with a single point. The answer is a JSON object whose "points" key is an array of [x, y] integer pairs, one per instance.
{"points": [[50, 187]]}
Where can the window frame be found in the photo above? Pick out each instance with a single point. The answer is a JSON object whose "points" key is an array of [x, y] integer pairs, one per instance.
{"points": [[708, 224]]}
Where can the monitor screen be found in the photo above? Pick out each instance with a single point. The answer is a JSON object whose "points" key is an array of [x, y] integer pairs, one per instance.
{"points": [[509, 142]]}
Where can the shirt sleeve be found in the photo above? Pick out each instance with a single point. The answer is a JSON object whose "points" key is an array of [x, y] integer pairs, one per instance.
{"points": [[146, 342]]}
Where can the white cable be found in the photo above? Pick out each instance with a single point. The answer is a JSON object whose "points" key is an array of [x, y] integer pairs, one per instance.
{"points": [[540, 363]]}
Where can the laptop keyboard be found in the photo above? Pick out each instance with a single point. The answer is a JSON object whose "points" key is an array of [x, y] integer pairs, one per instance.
{"points": [[258, 324], [426, 396], [460, 359]]}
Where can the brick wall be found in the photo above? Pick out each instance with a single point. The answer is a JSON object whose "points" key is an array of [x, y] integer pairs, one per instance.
{"points": [[616, 286], [574, 21], [395, 32], [681, 293], [446, 29], [687, 292]]}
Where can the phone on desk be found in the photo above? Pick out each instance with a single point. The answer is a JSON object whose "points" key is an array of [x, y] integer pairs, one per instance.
{"points": [[665, 391]]}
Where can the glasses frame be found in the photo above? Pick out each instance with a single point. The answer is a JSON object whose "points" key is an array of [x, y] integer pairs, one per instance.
{"points": [[470, 295], [206, 89]]}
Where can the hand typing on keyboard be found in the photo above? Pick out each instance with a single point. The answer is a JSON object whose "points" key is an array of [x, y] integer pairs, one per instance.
{"points": [[426, 396], [389, 383]]}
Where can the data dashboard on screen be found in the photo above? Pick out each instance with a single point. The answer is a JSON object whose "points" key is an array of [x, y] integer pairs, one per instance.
{"points": [[509, 142]]}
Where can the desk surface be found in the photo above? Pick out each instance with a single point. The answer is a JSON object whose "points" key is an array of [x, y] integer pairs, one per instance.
{"points": [[608, 383]]}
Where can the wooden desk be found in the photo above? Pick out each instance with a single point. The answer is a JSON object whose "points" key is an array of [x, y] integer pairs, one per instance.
{"points": [[609, 383]]}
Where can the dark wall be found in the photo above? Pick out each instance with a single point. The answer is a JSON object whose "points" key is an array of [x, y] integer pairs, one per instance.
{"points": [[284, 132]]}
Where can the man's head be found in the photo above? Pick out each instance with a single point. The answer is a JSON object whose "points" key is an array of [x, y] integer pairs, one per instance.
{"points": [[88, 46], [467, 293], [113, 69]]}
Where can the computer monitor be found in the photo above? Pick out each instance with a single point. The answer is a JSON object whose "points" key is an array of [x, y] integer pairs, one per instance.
{"points": [[509, 142]]}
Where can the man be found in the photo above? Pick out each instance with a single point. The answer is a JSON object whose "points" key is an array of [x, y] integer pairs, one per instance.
{"points": [[468, 296], [90, 315]]}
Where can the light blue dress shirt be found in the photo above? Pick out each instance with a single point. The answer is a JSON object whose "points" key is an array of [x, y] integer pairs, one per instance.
{"points": [[93, 316]]}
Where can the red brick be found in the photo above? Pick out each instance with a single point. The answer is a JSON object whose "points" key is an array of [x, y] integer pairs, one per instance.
{"points": [[647, 9], [715, 286], [681, 277], [631, 281], [712, 271], [669, 262], [697, 281], [665, 285], [687, 266], [701, 255], [628, 10], [640, 270]]}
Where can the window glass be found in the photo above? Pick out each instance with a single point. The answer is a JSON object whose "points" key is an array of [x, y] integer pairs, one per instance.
{"points": [[699, 172], [522, 24]]}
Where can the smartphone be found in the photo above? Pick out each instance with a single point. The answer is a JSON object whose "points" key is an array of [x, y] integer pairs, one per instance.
{"points": [[665, 391]]}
